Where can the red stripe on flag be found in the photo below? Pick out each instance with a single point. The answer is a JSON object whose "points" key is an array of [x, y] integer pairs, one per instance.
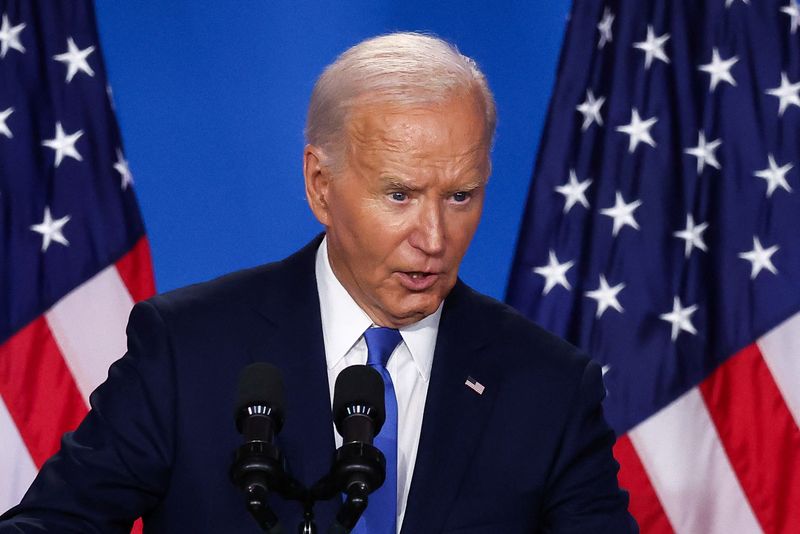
{"points": [[136, 270], [760, 438], [644, 504], [38, 389]]}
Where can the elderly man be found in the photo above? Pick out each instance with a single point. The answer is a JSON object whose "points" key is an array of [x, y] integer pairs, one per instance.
{"points": [[497, 424]]}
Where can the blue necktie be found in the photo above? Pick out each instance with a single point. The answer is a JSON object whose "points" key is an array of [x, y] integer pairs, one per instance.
{"points": [[380, 516]]}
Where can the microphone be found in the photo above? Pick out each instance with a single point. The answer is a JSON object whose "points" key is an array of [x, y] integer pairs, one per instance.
{"points": [[359, 409], [359, 468], [259, 408], [258, 465]]}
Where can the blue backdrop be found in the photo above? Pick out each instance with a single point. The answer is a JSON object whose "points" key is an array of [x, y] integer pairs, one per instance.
{"points": [[211, 100]]}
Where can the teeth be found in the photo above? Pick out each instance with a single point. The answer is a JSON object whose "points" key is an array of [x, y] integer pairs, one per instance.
{"points": [[416, 276]]}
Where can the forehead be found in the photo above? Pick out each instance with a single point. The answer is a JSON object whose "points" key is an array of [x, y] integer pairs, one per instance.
{"points": [[453, 128]]}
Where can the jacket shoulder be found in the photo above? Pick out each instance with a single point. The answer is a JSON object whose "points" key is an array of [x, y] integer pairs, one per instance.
{"points": [[231, 287], [243, 288], [525, 344]]}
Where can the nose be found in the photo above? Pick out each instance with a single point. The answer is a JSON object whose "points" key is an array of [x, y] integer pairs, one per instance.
{"points": [[428, 235]]}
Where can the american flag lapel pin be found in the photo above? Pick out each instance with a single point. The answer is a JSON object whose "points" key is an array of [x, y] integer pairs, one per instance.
{"points": [[474, 385]]}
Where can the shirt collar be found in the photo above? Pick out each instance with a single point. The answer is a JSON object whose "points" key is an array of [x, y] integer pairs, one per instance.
{"points": [[343, 321]]}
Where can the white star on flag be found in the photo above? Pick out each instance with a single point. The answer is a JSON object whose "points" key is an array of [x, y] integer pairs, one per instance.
{"points": [[121, 166], [590, 109], [680, 318], [4, 129], [729, 2], [638, 130], [51, 230], [693, 235], [622, 213], [606, 297], [554, 273], [9, 37], [787, 93], [760, 258], [653, 47], [75, 59], [64, 144], [574, 191], [775, 176], [604, 26], [704, 152], [793, 10], [719, 69]]}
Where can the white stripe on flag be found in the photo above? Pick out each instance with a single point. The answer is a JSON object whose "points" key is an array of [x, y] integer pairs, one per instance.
{"points": [[16, 463], [690, 472], [780, 348], [89, 327]]}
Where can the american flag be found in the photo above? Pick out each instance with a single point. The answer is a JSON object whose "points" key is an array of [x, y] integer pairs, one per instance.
{"points": [[73, 252], [662, 235]]}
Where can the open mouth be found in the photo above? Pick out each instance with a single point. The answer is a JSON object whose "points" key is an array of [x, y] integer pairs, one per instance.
{"points": [[417, 280]]}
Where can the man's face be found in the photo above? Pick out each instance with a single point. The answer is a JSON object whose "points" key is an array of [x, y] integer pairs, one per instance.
{"points": [[404, 207]]}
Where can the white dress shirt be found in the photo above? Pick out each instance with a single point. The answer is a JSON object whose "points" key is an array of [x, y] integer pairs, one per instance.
{"points": [[343, 325]]}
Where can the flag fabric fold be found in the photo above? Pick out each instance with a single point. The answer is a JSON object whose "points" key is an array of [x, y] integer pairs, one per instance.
{"points": [[660, 235], [74, 256]]}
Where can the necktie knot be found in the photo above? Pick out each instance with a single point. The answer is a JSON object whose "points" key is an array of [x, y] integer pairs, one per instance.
{"points": [[381, 342]]}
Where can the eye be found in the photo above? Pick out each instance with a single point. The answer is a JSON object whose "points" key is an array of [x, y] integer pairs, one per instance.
{"points": [[461, 196], [399, 196]]}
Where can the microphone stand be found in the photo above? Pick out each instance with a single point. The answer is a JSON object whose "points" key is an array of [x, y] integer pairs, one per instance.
{"points": [[261, 512], [351, 510], [358, 469], [259, 467], [308, 525]]}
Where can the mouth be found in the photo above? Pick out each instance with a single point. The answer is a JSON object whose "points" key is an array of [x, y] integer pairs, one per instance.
{"points": [[417, 280]]}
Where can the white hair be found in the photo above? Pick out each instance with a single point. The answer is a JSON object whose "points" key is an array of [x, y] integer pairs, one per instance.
{"points": [[403, 69]]}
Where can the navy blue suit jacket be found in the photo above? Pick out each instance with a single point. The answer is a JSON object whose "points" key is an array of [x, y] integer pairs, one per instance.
{"points": [[531, 454]]}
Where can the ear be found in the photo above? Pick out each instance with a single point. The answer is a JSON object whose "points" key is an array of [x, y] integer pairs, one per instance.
{"points": [[317, 177]]}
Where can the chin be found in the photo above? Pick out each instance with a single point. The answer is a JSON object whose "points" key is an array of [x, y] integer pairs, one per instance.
{"points": [[416, 309]]}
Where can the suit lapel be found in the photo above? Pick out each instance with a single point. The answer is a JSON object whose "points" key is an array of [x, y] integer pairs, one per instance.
{"points": [[454, 413], [292, 340]]}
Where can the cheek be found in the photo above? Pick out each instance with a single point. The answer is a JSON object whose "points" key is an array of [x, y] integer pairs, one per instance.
{"points": [[385, 232], [464, 228]]}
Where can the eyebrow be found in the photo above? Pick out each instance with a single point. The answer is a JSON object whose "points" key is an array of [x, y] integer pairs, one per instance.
{"points": [[473, 185], [393, 182]]}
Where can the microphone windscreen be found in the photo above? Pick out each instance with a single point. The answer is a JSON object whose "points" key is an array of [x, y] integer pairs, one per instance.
{"points": [[359, 385], [261, 383]]}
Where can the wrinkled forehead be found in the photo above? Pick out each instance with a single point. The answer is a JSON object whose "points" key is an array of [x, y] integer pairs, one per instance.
{"points": [[443, 142], [458, 120]]}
